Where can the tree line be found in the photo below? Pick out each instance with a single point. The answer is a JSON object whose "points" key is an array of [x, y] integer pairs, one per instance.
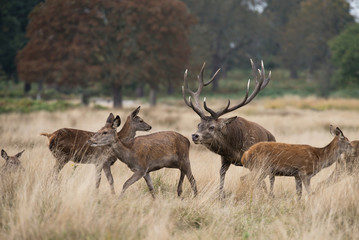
{"points": [[149, 43]]}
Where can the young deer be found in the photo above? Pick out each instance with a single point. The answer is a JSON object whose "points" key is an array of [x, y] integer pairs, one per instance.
{"points": [[67, 144], [300, 161], [12, 162], [228, 137], [148, 153]]}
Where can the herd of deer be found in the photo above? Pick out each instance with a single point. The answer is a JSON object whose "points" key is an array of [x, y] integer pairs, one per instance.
{"points": [[237, 140]]}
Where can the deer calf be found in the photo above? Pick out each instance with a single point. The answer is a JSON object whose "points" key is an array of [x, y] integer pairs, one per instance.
{"points": [[67, 144], [12, 162], [148, 153], [299, 161]]}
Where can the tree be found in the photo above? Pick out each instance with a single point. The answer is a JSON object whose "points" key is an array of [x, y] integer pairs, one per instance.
{"points": [[115, 42], [305, 39], [225, 29], [345, 56], [156, 37], [13, 21]]}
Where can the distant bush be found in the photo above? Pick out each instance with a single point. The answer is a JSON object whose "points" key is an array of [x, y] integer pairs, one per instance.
{"points": [[26, 105]]}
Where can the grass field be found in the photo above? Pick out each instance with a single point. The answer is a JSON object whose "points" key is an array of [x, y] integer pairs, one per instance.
{"points": [[34, 206]]}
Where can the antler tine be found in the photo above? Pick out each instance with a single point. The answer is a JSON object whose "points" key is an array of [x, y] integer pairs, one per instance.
{"points": [[261, 83], [213, 77], [195, 106]]}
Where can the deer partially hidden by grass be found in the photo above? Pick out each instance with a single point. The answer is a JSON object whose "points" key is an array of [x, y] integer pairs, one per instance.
{"points": [[67, 144], [347, 165], [228, 137], [148, 153], [300, 161], [12, 162]]}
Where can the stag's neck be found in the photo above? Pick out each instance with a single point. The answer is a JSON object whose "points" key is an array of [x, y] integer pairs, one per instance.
{"points": [[329, 154], [126, 133]]}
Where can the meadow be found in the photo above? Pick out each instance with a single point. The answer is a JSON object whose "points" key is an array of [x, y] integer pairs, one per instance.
{"points": [[35, 206]]}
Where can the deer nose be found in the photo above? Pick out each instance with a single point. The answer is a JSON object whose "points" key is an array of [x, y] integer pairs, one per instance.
{"points": [[195, 137]]}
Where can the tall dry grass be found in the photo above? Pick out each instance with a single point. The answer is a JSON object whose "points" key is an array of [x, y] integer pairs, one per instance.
{"points": [[34, 205]]}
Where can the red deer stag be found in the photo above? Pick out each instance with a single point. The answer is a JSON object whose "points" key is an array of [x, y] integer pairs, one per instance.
{"points": [[228, 137], [348, 164], [299, 161], [12, 162], [148, 153], [67, 144]]}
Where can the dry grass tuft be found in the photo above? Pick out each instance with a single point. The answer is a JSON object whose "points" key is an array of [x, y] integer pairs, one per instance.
{"points": [[34, 205]]}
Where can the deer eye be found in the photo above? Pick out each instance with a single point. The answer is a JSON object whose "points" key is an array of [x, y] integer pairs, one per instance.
{"points": [[211, 128], [105, 132]]}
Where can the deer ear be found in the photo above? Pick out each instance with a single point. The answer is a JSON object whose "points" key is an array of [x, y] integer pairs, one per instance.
{"points": [[19, 154], [229, 120], [116, 122], [134, 113], [335, 131], [4, 154], [110, 118]]}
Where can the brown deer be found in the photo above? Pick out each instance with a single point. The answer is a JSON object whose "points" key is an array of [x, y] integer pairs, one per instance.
{"points": [[347, 164], [67, 144], [12, 162], [300, 161], [148, 153], [228, 137]]}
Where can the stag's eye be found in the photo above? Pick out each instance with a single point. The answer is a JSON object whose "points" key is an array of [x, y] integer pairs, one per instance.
{"points": [[105, 132], [211, 128]]}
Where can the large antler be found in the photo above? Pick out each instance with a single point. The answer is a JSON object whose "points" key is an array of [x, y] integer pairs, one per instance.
{"points": [[195, 95], [260, 84]]}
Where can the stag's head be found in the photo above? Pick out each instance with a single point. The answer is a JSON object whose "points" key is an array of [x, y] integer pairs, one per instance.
{"points": [[342, 143], [107, 135], [12, 162], [212, 128]]}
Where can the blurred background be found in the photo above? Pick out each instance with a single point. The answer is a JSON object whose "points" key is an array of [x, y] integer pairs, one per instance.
{"points": [[60, 54]]}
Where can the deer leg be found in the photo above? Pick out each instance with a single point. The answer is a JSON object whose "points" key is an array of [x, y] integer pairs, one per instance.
{"points": [[134, 178], [306, 182], [271, 181], [58, 166], [179, 188], [192, 181], [107, 170], [222, 173], [149, 184], [298, 186], [98, 175]]}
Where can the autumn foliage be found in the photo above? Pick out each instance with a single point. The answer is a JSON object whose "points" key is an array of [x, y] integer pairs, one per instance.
{"points": [[117, 42]]}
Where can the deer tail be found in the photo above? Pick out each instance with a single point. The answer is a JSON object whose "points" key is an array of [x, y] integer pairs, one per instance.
{"points": [[48, 135]]}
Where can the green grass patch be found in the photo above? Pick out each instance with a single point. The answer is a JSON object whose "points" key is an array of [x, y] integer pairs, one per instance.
{"points": [[26, 105]]}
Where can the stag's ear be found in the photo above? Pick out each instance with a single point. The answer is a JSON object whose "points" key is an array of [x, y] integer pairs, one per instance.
{"points": [[4, 154], [19, 154], [110, 118], [116, 122], [229, 120], [134, 113]]}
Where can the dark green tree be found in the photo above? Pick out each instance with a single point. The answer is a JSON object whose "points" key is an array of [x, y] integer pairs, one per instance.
{"points": [[13, 22], [305, 41], [345, 57]]}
